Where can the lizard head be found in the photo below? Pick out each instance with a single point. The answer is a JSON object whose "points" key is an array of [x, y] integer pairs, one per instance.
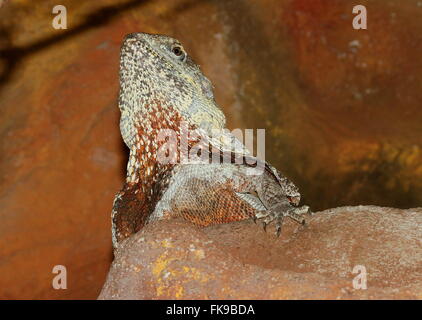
{"points": [[157, 68]]}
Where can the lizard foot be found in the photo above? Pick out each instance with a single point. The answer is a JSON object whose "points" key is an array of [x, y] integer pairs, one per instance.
{"points": [[295, 213]]}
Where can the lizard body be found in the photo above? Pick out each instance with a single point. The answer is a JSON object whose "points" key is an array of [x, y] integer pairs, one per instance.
{"points": [[161, 88]]}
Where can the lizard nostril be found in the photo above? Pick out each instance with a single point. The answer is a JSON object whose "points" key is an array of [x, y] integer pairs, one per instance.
{"points": [[132, 36]]}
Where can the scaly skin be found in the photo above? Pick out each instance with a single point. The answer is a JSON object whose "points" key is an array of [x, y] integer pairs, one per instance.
{"points": [[162, 88]]}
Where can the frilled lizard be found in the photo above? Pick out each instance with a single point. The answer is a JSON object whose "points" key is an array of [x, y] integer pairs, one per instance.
{"points": [[163, 90]]}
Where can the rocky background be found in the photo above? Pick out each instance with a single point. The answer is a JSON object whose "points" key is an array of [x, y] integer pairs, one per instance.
{"points": [[341, 109]]}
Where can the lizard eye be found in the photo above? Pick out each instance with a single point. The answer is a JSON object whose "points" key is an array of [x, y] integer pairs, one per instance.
{"points": [[178, 52]]}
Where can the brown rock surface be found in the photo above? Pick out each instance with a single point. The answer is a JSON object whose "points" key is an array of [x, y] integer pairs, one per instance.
{"points": [[175, 260]]}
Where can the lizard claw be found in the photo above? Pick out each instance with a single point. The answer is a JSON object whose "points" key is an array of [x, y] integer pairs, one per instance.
{"points": [[278, 231], [278, 226], [294, 213]]}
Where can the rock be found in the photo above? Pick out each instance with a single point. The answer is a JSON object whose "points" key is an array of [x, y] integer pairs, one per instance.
{"points": [[176, 260]]}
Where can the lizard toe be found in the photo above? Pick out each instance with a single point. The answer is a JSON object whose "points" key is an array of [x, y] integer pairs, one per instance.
{"points": [[296, 214], [278, 225]]}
